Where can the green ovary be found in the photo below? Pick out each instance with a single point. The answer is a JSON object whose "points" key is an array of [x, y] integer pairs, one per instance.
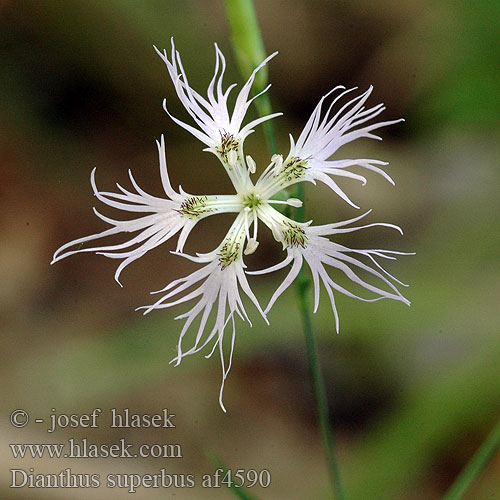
{"points": [[252, 201]]}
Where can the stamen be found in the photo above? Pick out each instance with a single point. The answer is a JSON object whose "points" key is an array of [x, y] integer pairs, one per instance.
{"points": [[277, 233], [232, 158], [293, 202], [251, 246], [227, 149], [247, 225], [251, 164], [278, 163], [267, 169]]}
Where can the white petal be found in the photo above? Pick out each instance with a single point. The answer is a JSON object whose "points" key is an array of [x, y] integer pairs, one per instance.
{"points": [[320, 252], [164, 219], [324, 134]]}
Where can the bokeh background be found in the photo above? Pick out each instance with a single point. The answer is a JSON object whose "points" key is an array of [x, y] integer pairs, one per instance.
{"points": [[413, 391]]}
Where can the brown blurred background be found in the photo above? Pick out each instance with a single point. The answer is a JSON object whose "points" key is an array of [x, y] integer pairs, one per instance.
{"points": [[413, 391]]}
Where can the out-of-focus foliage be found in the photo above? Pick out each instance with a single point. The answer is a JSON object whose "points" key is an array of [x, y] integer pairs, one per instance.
{"points": [[413, 390]]}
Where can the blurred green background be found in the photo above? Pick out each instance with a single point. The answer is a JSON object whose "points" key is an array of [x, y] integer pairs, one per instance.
{"points": [[413, 391]]}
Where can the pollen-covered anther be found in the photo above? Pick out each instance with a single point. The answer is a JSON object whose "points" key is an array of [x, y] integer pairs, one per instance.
{"points": [[252, 167], [232, 158], [294, 202], [251, 246], [278, 163], [228, 148]]}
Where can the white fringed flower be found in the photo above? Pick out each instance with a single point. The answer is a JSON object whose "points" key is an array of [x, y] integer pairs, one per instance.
{"points": [[217, 284]]}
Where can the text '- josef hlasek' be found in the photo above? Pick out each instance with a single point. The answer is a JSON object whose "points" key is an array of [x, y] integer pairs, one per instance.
{"points": [[118, 419]]}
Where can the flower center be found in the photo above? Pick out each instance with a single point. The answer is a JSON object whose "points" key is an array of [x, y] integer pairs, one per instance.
{"points": [[252, 201]]}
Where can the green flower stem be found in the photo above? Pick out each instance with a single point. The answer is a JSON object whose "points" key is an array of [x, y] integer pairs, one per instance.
{"points": [[303, 285], [263, 104], [246, 39], [475, 466]]}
